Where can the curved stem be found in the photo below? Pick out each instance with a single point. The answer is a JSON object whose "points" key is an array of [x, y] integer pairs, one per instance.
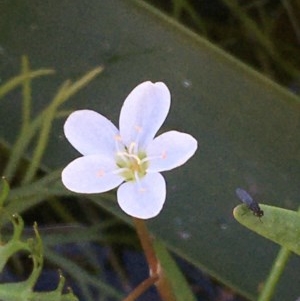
{"points": [[141, 288], [156, 272]]}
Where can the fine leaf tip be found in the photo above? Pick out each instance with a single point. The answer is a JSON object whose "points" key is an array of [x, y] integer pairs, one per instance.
{"points": [[278, 224]]}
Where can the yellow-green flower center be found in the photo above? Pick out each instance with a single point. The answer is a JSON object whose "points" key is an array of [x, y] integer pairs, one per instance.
{"points": [[132, 165]]}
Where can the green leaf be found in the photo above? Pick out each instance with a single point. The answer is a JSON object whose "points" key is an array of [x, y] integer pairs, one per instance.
{"points": [[181, 288], [279, 225], [24, 290]]}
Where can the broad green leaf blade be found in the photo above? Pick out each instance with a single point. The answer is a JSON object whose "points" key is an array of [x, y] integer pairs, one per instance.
{"points": [[279, 225]]}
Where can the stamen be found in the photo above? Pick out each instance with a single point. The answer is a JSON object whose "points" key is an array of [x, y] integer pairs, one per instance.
{"points": [[137, 179], [118, 144], [162, 156], [118, 137], [122, 155], [100, 173], [130, 161], [120, 170], [126, 155], [138, 128], [135, 157], [131, 148]]}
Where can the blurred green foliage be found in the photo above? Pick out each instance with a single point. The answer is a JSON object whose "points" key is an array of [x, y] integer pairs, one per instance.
{"points": [[264, 34]]}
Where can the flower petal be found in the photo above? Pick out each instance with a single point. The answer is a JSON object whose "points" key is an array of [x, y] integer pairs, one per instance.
{"points": [[91, 174], [170, 150], [143, 112], [145, 198], [91, 133]]}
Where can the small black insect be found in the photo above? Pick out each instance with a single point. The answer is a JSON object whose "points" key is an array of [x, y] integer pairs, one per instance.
{"points": [[246, 198]]}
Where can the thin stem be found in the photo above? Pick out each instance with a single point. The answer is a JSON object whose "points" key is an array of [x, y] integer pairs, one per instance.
{"points": [[18, 80], [64, 93], [293, 18], [146, 242], [141, 288], [275, 273], [26, 91], [156, 272], [44, 135]]}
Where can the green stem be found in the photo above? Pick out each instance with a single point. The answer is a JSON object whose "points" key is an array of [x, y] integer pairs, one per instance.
{"points": [[64, 93], [275, 273], [18, 80], [26, 91]]}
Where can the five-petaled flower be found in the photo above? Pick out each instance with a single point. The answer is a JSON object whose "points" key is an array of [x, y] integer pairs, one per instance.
{"points": [[130, 156]]}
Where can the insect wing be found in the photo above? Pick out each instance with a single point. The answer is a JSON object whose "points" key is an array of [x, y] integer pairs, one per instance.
{"points": [[244, 196]]}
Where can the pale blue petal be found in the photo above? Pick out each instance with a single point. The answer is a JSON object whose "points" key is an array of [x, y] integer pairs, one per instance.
{"points": [[143, 112], [143, 199], [170, 150], [91, 174], [91, 133]]}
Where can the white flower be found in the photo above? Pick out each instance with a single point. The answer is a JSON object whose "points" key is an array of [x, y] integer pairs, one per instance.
{"points": [[130, 156]]}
